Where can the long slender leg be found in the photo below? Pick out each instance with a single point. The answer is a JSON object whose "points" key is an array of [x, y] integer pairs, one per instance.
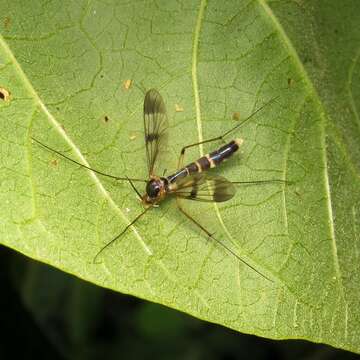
{"points": [[218, 241], [182, 153], [118, 236], [262, 182], [221, 137], [84, 166]]}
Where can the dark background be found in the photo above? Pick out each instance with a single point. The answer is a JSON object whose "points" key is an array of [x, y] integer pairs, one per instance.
{"points": [[49, 314]]}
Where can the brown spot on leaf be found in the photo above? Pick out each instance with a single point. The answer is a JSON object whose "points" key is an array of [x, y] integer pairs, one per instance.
{"points": [[54, 162], [4, 94], [290, 82], [178, 108], [127, 84], [7, 22], [236, 116], [104, 119]]}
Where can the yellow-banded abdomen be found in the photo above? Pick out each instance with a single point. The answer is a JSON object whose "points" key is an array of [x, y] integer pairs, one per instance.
{"points": [[207, 161]]}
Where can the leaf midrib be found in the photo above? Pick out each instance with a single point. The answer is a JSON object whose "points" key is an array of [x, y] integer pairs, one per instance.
{"points": [[98, 183], [198, 118], [65, 136], [196, 39], [319, 107]]}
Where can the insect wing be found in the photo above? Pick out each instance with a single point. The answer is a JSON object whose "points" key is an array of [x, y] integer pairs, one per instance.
{"points": [[205, 187], [155, 124]]}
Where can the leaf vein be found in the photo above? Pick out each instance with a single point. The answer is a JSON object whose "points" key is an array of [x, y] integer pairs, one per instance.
{"points": [[349, 82], [196, 40], [78, 153], [62, 133], [267, 10]]}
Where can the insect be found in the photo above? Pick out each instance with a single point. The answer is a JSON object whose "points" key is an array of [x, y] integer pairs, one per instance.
{"points": [[191, 182]]}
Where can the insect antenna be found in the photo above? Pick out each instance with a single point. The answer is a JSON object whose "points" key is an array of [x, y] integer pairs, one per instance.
{"points": [[84, 166], [118, 236]]}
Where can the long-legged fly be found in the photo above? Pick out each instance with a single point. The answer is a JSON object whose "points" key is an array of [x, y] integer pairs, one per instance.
{"points": [[191, 182]]}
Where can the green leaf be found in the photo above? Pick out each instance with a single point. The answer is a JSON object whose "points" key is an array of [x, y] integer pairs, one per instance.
{"points": [[65, 67]]}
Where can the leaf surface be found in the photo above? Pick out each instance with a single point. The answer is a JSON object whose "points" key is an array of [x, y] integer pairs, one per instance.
{"points": [[76, 73]]}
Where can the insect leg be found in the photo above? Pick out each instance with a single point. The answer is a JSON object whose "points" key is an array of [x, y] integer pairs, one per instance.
{"points": [[218, 241], [182, 153], [84, 166], [262, 182], [122, 233], [221, 137]]}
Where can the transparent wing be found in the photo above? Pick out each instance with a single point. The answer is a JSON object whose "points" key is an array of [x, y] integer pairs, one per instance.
{"points": [[204, 187], [155, 124]]}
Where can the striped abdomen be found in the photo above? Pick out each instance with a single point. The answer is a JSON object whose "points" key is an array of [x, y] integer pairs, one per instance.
{"points": [[208, 161]]}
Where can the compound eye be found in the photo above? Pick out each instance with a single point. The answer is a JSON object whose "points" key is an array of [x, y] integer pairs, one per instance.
{"points": [[155, 190], [152, 189]]}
